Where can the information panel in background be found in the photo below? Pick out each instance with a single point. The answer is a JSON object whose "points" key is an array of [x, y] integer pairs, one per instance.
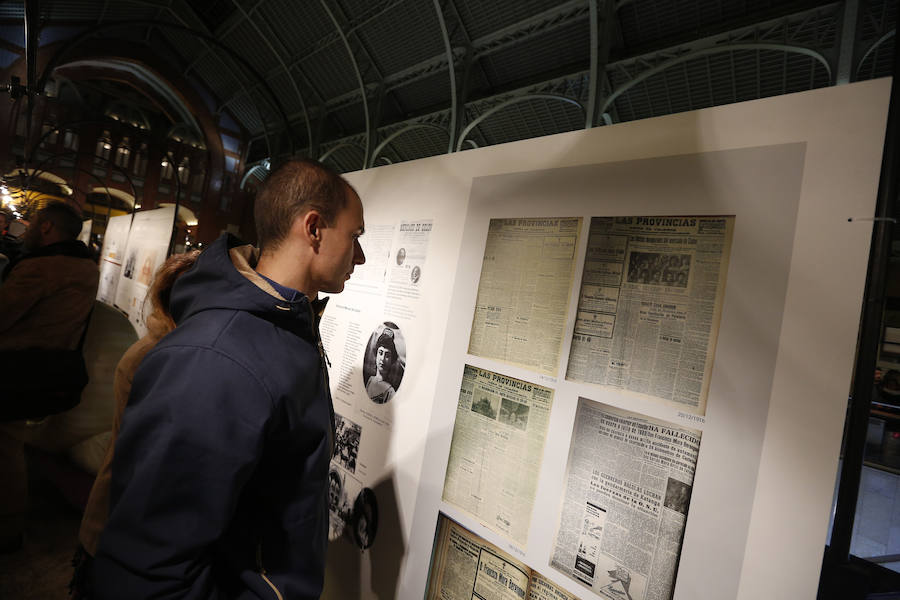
{"points": [[523, 293], [148, 244], [650, 302], [626, 495], [85, 235], [495, 455], [111, 257], [466, 567]]}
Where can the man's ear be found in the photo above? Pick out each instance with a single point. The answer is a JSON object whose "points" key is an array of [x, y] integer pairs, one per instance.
{"points": [[312, 227], [45, 226]]}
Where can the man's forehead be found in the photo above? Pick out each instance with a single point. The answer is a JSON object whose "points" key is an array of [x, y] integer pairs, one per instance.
{"points": [[354, 209]]}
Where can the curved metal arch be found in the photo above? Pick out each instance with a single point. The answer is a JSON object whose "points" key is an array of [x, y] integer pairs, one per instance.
{"points": [[359, 79], [178, 127], [171, 158], [252, 171], [511, 101], [874, 46], [707, 52], [448, 49], [250, 20], [334, 149], [39, 167], [37, 171], [66, 82], [401, 131], [78, 39]]}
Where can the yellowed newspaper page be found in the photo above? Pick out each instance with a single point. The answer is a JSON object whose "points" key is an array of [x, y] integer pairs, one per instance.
{"points": [[627, 492], [523, 293], [542, 588], [495, 456], [649, 307], [467, 567]]}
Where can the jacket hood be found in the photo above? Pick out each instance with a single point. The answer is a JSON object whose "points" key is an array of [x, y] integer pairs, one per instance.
{"points": [[73, 248], [223, 279]]}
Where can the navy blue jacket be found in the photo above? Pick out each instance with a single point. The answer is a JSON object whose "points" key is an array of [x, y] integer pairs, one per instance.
{"points": [[220, 468]]}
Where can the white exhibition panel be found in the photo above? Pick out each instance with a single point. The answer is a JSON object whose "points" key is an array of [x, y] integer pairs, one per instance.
{"points": [[148, 245], [792, 169], [112, 256]]}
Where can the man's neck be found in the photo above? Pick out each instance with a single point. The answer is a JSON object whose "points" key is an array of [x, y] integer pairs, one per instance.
{"points": [[285, 271]]}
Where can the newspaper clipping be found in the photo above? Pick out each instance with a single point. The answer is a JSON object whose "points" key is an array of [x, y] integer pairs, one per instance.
{"points": [[627, 491], [495, 456], [466, 567], [523, 292], [112, 256], [648, 312]]}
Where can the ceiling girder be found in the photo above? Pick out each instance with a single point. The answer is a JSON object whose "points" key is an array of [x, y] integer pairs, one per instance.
{"points": [[522, 31], [266, 39]]}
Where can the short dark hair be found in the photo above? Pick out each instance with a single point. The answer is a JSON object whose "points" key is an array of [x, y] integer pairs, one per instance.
{"points": [[386, 339], [292, 189], [64, 217]]}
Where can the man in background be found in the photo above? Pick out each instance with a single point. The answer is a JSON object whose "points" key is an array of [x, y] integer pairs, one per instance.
{"points": [[10, 246], [220, 471], [44, 303], [50, 289]]}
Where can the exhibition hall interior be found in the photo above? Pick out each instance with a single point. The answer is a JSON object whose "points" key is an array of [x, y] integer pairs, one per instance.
{"points": [[628, 325]]}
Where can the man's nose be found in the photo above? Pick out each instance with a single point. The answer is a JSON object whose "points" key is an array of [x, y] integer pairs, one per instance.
{"points": [[359, 257]]}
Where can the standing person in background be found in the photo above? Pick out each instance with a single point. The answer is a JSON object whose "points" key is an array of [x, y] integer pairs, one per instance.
{"points": [[220, 471], [159, 323], [10, 246], [45, 302]]}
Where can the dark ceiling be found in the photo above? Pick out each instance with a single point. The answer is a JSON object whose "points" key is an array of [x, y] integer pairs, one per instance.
{"points": [[369, 82]]}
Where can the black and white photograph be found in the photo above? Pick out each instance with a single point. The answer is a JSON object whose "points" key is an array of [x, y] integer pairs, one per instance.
{"points": [[415, 274], [401, 256], [343, 489], [678, 496], [486, 404], [335, 489], [128, 270], [364, 520], [514, 414], [658, 268], [384, 363], [346, 442]]}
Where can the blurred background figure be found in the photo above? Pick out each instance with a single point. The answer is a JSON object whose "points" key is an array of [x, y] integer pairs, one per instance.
{"points": [[45, 302], [159, 323]]}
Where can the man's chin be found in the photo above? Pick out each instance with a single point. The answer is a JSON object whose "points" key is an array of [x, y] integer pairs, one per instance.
{"points": [[337, 288]]}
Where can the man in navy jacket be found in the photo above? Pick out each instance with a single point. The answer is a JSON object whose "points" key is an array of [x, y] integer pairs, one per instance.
{"points": [[219, 479]]}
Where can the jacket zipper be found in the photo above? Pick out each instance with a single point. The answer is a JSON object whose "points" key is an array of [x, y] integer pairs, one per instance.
{"points": [[323, 360], [262, 572]]}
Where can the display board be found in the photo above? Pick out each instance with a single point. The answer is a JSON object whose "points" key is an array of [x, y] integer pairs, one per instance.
{"points": [[147, 247], [716, 331], [111, 257], [85, 235]]}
